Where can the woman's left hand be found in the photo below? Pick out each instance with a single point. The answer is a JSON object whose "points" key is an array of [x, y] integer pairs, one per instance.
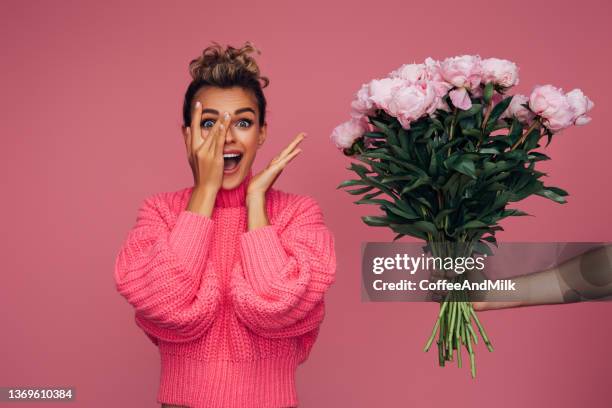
{"points": [[262, 181]]}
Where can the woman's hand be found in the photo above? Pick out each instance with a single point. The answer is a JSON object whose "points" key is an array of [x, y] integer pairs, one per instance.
{"points": [[205, 155], [261, 182], [255, 199]]}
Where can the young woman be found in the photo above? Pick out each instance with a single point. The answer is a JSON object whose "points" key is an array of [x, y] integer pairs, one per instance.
{"points": [[227, 277]]}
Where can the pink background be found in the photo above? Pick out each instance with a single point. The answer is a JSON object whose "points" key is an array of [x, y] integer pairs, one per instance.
{"points": [[91, 99]]}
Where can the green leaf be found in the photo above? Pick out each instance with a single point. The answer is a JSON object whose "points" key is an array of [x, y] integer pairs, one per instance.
{"points": [[473, 110], [372, 195], [417, 183], [461, 164], [407, 177], [443, 214], [398, 211], [359, 190], [551, 195], [489, 150], [375, 201], [488, 92], [491, 239], [401, 153], [531, 142], [375, 221], [500, 108], [398, 236], [359, 169], [482, 248], [348, 183], [515, 132], [437, 124], [374, 135], [408, 229], [558, 191], [425, 226], [472, 225], [472, 132], [513, 213]]}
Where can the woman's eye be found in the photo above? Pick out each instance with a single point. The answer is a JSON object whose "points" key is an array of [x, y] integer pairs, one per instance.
{"points": [[207, 123], [245, 123]]}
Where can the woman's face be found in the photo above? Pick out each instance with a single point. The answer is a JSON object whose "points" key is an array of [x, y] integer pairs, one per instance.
{"points": [[244, 135]]}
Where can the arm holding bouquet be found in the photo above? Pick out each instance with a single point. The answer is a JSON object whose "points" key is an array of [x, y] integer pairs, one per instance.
{"points": [[585, 277]]}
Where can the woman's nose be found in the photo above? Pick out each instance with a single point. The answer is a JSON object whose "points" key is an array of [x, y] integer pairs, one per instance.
{"points": [[229, 136]]}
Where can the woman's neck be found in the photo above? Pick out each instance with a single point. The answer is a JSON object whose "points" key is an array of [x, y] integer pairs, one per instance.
{"points": [[235, 197]]}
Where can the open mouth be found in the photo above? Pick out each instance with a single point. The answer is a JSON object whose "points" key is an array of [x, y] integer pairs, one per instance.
{"points": [[231, 161]]}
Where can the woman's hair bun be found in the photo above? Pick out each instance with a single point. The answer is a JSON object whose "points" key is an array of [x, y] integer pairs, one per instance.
{"points": [[227, 66]]}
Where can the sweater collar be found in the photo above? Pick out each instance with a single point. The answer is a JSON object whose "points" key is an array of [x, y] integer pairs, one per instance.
{"points": [[235, 197]]}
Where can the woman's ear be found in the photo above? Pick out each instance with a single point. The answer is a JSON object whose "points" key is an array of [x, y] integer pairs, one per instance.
{"points": [[263, 133], [185, 132]]}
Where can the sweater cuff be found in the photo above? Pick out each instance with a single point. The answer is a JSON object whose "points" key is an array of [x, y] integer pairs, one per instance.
{"points": [[190, 239], [263, 258]]}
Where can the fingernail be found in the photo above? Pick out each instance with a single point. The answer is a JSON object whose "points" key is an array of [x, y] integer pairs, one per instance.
{"points": [[197, 104], [226, 116], [221, 126]]}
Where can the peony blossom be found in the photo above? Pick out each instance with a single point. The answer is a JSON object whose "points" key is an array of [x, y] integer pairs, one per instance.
{"points": [[435, 78], [553, 106], [362, 105], [580, 104], [410, 72], [411, 102], [518, 111], [464, 73], [345, 134], [381, 90], [461, 98], [499, 71]]}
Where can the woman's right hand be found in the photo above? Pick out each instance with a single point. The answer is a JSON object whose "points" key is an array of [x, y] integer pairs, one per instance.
{"points": [[205, 154]]}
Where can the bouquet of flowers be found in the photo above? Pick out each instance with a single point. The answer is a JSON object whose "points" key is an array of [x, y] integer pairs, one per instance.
{"points": [[445, 148]]}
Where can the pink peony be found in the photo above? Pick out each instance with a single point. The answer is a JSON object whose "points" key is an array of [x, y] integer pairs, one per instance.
{"points": [[381, 90], [429, 71], [517, 110], [580, 104], [409, 103], [553, 106], [345, 134], [464, 73], [410, 72], [461, 98], [500, 72], [434, 76], [362, 105]]}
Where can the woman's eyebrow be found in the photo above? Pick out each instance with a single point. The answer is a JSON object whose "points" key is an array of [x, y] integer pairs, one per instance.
{"points": [[216, 112]]}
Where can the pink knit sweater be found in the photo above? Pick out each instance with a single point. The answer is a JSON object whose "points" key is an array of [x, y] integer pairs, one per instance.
{"points": [[233, 312]]}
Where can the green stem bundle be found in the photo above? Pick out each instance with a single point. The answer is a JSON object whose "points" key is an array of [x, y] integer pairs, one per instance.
{"points": [[454, 324], [454, 328]]}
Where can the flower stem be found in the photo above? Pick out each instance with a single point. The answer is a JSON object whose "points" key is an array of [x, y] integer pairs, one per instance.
{"points": [[524, 135]]}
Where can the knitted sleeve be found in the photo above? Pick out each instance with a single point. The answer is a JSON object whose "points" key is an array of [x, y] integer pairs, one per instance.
{"points": [[165, 274], [279, 291]]}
